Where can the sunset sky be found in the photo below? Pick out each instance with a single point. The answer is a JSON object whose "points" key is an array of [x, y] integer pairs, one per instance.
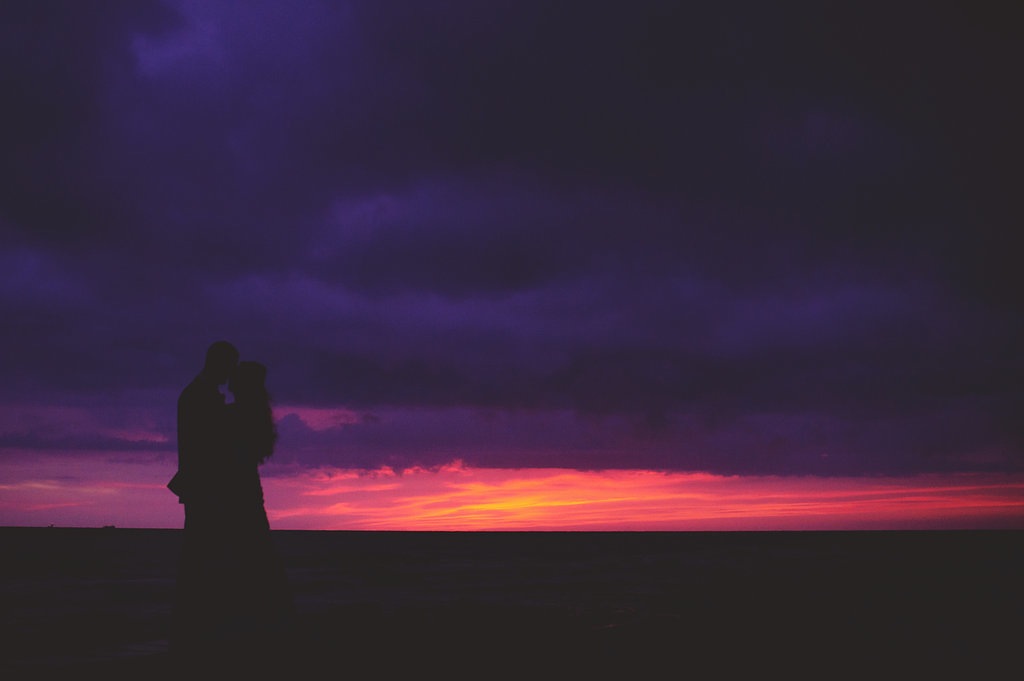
{"points": [[520, 265]]}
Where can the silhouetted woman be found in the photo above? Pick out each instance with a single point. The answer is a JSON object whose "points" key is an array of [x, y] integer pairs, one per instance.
{"points": [[258, 595], [252, 434]]}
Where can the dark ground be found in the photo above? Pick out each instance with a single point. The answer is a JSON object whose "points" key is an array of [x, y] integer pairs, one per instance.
{"points": [[540, 605]]}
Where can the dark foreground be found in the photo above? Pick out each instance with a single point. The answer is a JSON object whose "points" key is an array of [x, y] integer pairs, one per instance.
{"points": [[96, 604]]}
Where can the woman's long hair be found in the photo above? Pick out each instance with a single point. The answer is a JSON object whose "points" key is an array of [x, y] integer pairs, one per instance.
{"points": [[257, 431]]}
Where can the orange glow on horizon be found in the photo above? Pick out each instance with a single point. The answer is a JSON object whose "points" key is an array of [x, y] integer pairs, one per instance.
{"points": [[130, 491], [457, 498]]}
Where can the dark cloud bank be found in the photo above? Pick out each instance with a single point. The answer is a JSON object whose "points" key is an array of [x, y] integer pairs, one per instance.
{"points": [[745, 238]]}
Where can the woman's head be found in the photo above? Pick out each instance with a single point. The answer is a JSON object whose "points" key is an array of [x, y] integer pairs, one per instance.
{"points": [[248, 380], [256, 418]]}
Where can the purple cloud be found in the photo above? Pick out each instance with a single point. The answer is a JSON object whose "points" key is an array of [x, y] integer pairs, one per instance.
{"points": [[660, 237]]}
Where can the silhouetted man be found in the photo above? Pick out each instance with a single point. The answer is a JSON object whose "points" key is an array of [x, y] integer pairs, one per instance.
{"points": [[202, 429], [203, 463]]}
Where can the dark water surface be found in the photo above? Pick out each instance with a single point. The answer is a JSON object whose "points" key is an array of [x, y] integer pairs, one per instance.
{"points": [[545, 605]]}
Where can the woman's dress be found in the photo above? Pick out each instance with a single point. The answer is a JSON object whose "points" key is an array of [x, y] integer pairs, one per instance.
{"points": [[259, 599], [232, 584]]}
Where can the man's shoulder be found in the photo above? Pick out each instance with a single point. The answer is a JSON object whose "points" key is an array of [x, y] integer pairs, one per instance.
{"points": [[198, 388]]}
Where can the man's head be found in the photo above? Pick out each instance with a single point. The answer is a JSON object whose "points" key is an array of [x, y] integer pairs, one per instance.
{"points": [[221, 360]]}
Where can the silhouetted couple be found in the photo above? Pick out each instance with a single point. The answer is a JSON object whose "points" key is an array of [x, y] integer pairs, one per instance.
{"points": [[232, 586]]}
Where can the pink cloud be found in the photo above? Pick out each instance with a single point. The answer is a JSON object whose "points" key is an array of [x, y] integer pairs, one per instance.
{"points": [[319, 418]]}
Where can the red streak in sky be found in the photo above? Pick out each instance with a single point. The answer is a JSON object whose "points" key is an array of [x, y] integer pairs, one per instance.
{"points": [[459, 498], [100, 491]]}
